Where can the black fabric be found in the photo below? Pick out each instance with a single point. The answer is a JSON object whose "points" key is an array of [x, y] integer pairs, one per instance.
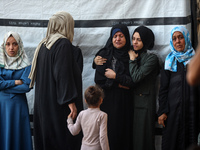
{"points": [[147, 36], [194, 22], [176, 99], [118, 101], [78, 57], [58, 83]]}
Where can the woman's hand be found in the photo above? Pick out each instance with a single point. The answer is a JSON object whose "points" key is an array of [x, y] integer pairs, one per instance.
{"points": [[161, 119], [110, 74], [99, 60], [73, 109], [132, 55], [18, 82]]}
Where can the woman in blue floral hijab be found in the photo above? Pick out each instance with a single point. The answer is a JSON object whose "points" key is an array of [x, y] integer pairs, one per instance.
{"points": [[180, 55], [177, 109]]}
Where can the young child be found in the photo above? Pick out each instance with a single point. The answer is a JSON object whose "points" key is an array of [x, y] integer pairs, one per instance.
{"points": [[92, 121]]}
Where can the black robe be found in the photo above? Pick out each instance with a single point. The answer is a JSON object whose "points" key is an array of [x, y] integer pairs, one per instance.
{"points": [[118, 101], [58, 83], [177, 101], [78, 57]]}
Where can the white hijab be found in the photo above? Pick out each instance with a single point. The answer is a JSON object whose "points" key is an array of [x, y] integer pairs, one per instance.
{"points": [[17, 62], [60, 25]]}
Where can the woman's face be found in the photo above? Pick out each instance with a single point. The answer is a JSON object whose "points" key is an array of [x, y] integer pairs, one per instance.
{"points": [[11, 46], [137, 42], [119, 40], [178, 41]]}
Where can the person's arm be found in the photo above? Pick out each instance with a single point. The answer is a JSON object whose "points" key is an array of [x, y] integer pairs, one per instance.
{"points": [[132, 55], [21, 85], [5, 84], [63, 73], [161, 119], [163, 93], [124, 80], [74, 128], [73, 110], [103, 133], [100, 77], [138, 73], [98, 60], [163, 96], [23, 88], [109, 73], [193, 72], [78, 56]]}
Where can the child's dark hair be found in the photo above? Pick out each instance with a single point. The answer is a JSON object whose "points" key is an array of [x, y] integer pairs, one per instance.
{"points": [[93, 94]]}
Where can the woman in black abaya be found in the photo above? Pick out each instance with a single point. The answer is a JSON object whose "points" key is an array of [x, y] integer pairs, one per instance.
{"points": [[58, 89], [113, 76]]}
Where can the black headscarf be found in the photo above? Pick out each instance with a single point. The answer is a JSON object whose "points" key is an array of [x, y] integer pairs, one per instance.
{"points": [[147, 38]]}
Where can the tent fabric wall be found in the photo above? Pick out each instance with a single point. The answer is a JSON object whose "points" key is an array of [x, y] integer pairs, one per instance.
{"points": [[93, 21]]}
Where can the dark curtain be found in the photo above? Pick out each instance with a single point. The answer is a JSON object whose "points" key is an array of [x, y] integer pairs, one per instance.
{"points": [[193, 4]]}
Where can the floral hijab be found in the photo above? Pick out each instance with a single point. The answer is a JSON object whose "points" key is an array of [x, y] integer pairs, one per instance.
{"points": [[17, 62], [174, 56]]}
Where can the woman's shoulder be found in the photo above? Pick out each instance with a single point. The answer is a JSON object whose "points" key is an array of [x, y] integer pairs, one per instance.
{"points": [[102, 52], [25, 68], [62, 45], [149, 56], [62, 42], [152, 53]]}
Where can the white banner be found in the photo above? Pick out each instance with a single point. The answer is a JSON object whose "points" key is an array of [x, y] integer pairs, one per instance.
{"points": [[93, 21]]}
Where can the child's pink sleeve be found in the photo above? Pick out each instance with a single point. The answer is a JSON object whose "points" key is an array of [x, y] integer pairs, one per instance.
{"points": [[103, 133], [74, 128]]}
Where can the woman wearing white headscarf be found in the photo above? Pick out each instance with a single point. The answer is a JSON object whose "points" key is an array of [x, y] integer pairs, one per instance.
{"points": [[58, 86], [177, 108], [15, 133]]}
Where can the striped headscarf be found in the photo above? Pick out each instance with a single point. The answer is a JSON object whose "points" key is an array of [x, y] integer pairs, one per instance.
{"points": [[174, 55], [17, 62]]}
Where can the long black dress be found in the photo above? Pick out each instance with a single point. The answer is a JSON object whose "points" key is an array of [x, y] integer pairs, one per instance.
{"points": [[58, 83], [118, 101], [177, 101], [78, 57]]}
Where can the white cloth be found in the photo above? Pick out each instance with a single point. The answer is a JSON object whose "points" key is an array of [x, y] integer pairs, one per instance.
{"points": [[93, 123]]}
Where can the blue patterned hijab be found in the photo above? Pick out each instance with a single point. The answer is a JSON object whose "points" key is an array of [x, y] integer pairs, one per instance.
{"points": [[174, 55]]}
